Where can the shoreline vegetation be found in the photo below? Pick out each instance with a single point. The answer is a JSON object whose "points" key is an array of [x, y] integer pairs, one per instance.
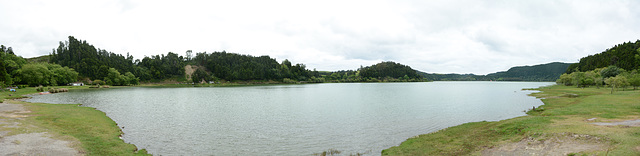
{"points": [[569, 123]]}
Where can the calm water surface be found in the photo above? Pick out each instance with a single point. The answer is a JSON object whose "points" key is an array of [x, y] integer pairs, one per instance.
{"points": [[297, 119]]}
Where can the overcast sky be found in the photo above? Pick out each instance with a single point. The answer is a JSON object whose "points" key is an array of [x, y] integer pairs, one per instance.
{"points": [[446, 36]]}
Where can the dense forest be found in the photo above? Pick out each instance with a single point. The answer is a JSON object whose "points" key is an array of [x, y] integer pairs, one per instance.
{"points": [[231, 66], [542, 72], [16, 70], [625, 56], [96, 64], [77, 60], [389, 69], [381, 72], [617, 67]]}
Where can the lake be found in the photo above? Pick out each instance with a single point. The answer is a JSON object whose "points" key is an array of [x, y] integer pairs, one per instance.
{"points": [[297, 119]]}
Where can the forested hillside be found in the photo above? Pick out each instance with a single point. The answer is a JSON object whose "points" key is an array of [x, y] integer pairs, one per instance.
{"points": [[95, 64], [389, 69], [231, 66], [542, 72], [89, 61], [452, 77], [77, 60], [625, 56]]}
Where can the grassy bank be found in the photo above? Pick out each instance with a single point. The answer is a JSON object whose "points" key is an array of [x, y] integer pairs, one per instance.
{"points": [[565, 113], [97, 133]]}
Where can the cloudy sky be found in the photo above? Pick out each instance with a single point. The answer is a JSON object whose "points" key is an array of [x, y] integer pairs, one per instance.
{"points": [[445, 36]]}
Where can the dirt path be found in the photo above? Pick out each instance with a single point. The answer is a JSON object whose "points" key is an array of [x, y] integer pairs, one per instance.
{"points": [[632, 123], [563, 144], [41, 143]]}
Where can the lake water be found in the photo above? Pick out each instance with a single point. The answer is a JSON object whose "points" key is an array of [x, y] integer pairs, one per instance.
{"points": [[297, 119]]}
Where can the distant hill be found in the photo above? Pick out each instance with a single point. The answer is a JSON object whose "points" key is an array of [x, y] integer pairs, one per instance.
{"points": [[542, 72], [389, 69], [452, 77], [625, 56], [39, 59]]}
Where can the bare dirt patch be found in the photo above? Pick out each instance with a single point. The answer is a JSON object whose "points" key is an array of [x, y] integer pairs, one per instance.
{"points": [[632, 123], [562, 144], [35, 144], [188, 70], [42, 143]]}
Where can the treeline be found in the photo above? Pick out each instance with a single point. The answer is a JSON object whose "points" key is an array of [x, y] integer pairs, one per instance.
{"points": [[380, 72], [625, 56], [452, 77], [389, 69], [16, 70], [77, 60], [543, 72], [9, 65], [231, 66], [95, 64], [612, 76], [89, 61]]}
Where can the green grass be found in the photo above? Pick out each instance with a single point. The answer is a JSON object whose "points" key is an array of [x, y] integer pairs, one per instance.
{"points": [[561, 114], [97, 133]]}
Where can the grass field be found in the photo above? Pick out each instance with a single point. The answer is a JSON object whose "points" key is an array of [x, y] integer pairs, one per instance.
{"points": [[565, 112], [97, 133]]}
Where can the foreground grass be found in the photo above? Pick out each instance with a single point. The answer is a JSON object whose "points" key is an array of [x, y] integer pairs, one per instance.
{"points": [[565, 112], [97, 133]]}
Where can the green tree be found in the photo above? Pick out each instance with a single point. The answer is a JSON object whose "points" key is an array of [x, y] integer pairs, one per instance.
{"points": [[634, 80], [610, 71], [114, 77], [132, 79], [35, 74], [61, 75], [200, 75], [617, 81], [578, 78], [565, 79]]}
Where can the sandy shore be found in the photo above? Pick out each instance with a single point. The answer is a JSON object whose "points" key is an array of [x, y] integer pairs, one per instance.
{"points": [[14, 140]]}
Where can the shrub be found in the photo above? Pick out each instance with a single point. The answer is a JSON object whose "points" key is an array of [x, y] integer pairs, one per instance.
{"points": [[287, 80]]}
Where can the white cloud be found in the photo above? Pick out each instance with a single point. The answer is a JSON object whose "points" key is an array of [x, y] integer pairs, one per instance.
{"points": [[433, 36]]}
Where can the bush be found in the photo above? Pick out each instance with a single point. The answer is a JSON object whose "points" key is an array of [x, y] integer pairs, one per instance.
{"points": [[287, 80], [40, 89], [97, 82], [53, 90]]}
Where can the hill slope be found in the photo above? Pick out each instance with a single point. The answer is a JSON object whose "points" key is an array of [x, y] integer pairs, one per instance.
{"points": [[625, 56], [542, 72]]}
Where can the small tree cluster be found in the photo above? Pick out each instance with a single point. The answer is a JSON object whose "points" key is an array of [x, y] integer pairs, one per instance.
{"points": [[612, 76], [116, 79], [35, 74]]}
